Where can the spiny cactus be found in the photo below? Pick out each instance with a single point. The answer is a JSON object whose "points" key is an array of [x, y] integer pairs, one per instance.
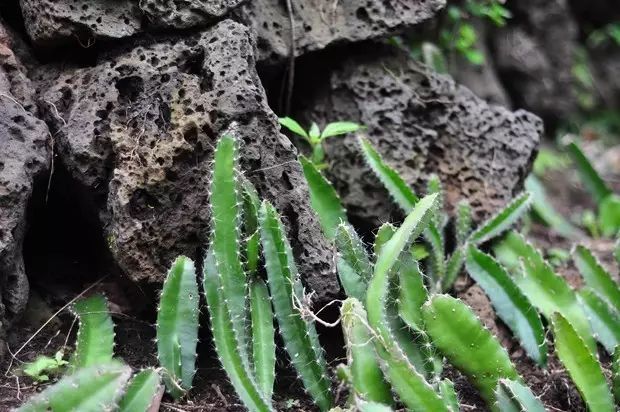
{"points": [[547, 291], [354, 267], [510, 304], [615, 373], [91, 389], [595, 275], [143, 392], [443, 271], [226, 204], [469, 347], [323, 198], [414, 391], [604, 320], [298, 333], [95, 338], [581, 365], [177, 326], [226, 343], [512, 396], [366, 377], [263, 343]]}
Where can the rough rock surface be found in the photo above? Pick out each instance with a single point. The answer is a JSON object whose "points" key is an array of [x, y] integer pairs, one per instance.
{"points": [[535, 54], [140, 128], [422, 123], [24, 155], [319, 23], [53, 21]]}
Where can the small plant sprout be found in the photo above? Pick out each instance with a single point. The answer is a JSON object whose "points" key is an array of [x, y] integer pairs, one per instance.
{"points": [[43, 366], [315, 136]]}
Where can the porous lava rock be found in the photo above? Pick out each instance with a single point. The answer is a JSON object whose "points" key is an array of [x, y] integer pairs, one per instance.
{"points": [[24, 156], [58, 21], [139, 129], [535, 55], [421, 123], [319, 23]]}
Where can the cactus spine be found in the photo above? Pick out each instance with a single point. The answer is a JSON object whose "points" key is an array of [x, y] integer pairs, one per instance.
{"points": [[143, 392], [177, 326], [90, 389], [95, 338], [299, 335]]}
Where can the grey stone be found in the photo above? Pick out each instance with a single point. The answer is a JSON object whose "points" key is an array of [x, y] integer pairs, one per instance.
{"points": [[421, 123], [85, 21], [535, 55], [24, 156], [139, 129], [320, 23]]}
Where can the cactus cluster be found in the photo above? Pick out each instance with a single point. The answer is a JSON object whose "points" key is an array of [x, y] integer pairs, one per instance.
{"points": [[96, 381]]}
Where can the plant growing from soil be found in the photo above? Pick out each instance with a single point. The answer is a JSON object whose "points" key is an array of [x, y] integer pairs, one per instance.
{"points": [[315, 136]]}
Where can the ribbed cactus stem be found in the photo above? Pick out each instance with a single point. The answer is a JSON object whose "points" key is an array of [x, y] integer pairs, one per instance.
{"points": [[90, 389], [366, 377], [226, 344], [513, 396], [95, 338], [458, 334], [226, 207], [298, 333], [143, 392], [263, 344], [177, 326]]}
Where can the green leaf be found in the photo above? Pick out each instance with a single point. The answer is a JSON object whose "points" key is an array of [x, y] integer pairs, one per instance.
{"points": [[294, 127], [463, 222], [604, 320], [470, 347], [340, 128], [411, 292], [40, 369], [324, 199], [582, 366], [589, 176], [354, 267], [509, 302], [91, 389], [395, 185], [314, 133], [502, 221], [177, 326], [513, 396], [595, 276], [95, 339], [143, 392], [609, 215], [448, 393]]}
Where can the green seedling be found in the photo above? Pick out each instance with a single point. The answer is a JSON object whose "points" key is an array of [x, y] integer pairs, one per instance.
{"points": [[43, 367], [315, 137]]}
